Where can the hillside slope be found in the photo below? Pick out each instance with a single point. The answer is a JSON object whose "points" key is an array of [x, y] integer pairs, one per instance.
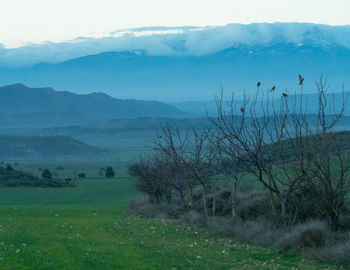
{"points": [[20, 101], [44, 147]]}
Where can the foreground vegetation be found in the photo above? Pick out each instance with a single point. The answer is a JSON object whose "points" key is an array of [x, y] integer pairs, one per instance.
{"points": [[303, 165], [88, 227]]}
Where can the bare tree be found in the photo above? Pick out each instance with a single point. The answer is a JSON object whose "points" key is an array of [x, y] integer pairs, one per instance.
{"points": [[252, 136], [276, 142], [328, 182], [151, 177], [196, 151], [231, 171]]}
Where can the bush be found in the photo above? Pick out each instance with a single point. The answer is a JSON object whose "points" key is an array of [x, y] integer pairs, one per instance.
{"points": [[223, 205], [339, 253], [109, 172], [312, 235], [46, 174], [143, 207], [257, 232], [192, 217], [82, 175], [68, 180], [302, 203], [252, 204], [221, 225]]}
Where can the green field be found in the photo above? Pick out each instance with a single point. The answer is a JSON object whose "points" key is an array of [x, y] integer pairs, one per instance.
{"points": [[89, 227]]}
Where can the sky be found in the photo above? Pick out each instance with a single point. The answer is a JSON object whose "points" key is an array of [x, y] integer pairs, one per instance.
{"points": [[36, 21]]}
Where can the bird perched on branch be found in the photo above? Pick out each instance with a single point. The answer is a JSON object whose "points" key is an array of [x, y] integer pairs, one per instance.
{"points": [[301, 80], [258, 84], [284, 95], [273, 88]]}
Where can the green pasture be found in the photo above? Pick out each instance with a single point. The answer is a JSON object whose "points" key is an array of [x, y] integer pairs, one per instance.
{"points": [[89, 227]]}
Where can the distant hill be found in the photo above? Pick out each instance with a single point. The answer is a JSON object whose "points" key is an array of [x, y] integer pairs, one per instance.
{"points": [[44, 147], [20, 104]]}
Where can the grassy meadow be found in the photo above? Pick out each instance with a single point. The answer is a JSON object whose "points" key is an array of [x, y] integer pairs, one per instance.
{"points": [[89, 227]]}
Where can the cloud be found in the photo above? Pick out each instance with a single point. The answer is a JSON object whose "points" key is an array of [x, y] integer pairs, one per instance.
{"points": [[168, 41]]}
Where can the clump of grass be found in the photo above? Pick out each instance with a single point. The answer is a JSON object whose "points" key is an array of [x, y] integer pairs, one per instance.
{"points": [[140, 205], [258, 232], [192, 217], [339, 253]]}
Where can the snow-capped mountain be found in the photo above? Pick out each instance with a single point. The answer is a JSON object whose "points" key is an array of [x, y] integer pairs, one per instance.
{"points": [[186, 63]]}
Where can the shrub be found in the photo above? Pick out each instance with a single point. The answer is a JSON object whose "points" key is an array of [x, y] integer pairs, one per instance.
{"points": [[109, 172], [192, 217], [143, 207], [257, 232], [221, 225], [46, 174], [339, 253], [82, 175], [252, 204], [68, 180], [311, 235]]}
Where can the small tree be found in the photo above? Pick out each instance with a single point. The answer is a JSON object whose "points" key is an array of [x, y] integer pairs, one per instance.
{"points": [[109, 172], [150, 178], [196, 151], [9, 168], [46, 174]]}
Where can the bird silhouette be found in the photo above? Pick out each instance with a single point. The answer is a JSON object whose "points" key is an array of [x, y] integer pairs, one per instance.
{"points": [[258, 84], [273, 88], [242, 110], [284, 95], [301, 80]]}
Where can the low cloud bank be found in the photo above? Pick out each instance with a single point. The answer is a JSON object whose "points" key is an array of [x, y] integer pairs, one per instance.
{"points": [[171, 41]]}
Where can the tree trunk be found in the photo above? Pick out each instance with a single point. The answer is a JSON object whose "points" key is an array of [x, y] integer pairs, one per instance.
{"points": [[334, 217], [205, 208], [233, 200], [214, 197], [273, 203], [189, 196]]}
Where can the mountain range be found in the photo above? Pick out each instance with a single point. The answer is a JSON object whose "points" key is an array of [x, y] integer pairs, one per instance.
{"points": [[190, 66], [22, 106], [182, 78]]}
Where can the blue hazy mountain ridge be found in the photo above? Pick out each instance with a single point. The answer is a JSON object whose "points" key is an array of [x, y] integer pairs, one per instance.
{"points": [[21, 102], [308, 104], [138, 75], [178, 41]]}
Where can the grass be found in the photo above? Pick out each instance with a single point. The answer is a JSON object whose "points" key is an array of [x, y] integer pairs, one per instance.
{"points": [[94, 193], [88, 227]]}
